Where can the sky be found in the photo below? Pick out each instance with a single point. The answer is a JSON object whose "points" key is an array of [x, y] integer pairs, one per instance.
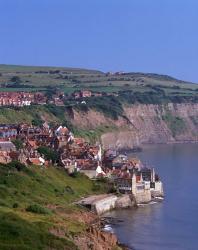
{"points": [[155, 36]]}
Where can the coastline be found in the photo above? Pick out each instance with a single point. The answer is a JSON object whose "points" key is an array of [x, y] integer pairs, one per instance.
{"points": [[106, 222], [95, 237]]}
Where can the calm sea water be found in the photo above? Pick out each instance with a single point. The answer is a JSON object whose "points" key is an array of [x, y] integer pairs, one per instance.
{"points": [[172, 224]]}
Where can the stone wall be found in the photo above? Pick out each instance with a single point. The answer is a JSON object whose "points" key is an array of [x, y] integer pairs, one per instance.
{"points": [[143, 197], [103, 205], [125, 201]]}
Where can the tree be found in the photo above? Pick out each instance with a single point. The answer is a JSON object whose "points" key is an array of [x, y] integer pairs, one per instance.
{"points": [[18, 143], [48, 153], [16, 80]]}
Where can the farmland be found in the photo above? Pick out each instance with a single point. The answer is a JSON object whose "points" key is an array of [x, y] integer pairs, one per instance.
{"points": [[70, 79]]}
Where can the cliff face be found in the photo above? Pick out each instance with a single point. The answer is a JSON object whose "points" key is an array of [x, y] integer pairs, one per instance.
{"points": [[151, 123], [94, 238], [164, 123]]}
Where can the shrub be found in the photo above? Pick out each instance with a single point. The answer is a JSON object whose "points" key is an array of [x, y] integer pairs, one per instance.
{"points": [[37, 121], [108, 105], [96, 187], [18, 143], [48, 153], [17, 165], [37, 209], [75, 174], [176, 124], [15, 79], [15, 205]]}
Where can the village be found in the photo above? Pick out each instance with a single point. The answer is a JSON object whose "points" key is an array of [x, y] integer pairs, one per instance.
{"points": [[57, 146]]}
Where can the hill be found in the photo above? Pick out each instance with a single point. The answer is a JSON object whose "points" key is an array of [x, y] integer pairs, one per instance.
{"points": [[37, 210], [71, 79]]}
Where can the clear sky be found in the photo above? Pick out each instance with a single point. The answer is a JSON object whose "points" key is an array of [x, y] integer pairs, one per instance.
{"points": [[158, 36]]}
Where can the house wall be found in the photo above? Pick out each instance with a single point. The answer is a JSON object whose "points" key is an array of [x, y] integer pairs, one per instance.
{"points": [[90, 173], [158, 190]]}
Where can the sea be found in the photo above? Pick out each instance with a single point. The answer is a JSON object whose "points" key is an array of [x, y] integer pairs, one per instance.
{"points": [[173, 223]]}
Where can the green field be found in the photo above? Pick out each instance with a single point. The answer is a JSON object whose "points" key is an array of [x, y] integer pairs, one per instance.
{"points": [[71, 79]]}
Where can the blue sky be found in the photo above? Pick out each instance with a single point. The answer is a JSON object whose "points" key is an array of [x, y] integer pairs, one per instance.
{"points": [[158, 36]]}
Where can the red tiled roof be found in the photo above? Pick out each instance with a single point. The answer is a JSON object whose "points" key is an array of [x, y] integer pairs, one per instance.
{"points": [[35, 161]]}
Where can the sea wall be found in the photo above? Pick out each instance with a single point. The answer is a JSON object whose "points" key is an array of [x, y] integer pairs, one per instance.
{"points": [[125, 201], [143, 197], [104, 203]]}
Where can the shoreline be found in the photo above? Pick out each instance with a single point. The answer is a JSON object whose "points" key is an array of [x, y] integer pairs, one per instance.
{"points": [[106, 221], [142, 146]]}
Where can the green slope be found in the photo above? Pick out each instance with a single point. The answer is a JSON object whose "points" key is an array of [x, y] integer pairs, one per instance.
{"points": [[51, 192]]}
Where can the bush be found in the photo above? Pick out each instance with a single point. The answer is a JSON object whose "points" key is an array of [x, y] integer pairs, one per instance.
{"points": [[96, 187], [108, 105], [37, 121], [17, 165], [15, 205], [15, 79], [48, 153], [18, 143], [176, 124], [75, 174], [37, 209]]}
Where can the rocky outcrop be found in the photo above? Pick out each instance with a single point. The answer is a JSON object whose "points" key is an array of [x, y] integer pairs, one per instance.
{"points": [[141, 123], [96, 239], [91, 237], [126, 139], [93, 119]]}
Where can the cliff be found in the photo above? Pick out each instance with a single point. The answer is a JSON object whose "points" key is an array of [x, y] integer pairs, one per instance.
{"points": [[164, 123], [96, 239], [134, 125], [143, 123]]}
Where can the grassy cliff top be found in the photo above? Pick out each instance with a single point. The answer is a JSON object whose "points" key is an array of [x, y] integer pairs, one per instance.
{"points": [[71, 79]]}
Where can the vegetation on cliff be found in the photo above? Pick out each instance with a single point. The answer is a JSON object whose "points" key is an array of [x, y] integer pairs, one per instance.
{"points": [[176, 124], [36, 207]]}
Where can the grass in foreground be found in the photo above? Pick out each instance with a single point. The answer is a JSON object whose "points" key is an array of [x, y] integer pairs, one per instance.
{"points": [[36, 207]]}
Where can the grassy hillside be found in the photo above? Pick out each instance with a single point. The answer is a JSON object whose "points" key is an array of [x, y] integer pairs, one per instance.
{"points": [[70, 79], [36, 207]]}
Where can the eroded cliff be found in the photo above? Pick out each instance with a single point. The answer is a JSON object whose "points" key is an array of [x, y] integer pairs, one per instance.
{"points": [[168, 123]]}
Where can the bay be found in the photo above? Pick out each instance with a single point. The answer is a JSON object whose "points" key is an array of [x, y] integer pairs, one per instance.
{"points": [[172, 224]]}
